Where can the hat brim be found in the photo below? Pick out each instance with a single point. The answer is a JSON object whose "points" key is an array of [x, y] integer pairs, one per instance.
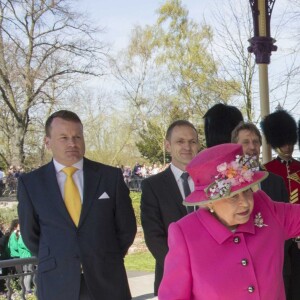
{"points": [[200, 197]]}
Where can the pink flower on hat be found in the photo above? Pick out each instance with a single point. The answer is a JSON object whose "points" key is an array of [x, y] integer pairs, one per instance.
{"points": [[232, 174], [221, 172]]}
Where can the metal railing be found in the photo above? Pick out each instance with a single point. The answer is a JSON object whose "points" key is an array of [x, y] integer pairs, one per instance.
{"points": [[19, 275], [8, 186], [134, 184]]}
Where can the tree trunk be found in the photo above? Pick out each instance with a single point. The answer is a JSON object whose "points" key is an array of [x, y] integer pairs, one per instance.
{"points": [[18, 155]]}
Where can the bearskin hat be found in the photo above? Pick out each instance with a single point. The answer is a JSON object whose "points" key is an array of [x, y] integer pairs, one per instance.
{"points": [[299, 133], [219, 122], [280, 129]]}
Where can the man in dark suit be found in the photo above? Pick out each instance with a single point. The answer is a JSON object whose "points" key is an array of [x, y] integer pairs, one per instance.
{"points": [[163, 193], [81, 244], [250, 138]]}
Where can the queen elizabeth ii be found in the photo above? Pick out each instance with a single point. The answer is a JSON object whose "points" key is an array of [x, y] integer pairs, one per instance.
{"points": [[232, 248]]}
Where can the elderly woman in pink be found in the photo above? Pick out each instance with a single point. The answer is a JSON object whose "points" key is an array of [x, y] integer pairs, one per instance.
{"points": [[232, 247]]}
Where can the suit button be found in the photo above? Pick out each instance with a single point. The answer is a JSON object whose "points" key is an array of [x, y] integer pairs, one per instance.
{"points": [[251, 289], [244, 262], [236, 240]]}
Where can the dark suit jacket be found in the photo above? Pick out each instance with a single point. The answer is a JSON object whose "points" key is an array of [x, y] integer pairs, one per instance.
{"points": [[275, 188], [161, 204], [106, 230]]}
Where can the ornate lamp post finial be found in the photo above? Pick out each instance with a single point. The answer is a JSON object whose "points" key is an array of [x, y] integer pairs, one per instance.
{"points": [[262, 44]]}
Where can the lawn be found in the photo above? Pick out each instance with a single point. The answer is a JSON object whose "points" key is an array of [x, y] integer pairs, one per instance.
{"points": [[140, 259]]}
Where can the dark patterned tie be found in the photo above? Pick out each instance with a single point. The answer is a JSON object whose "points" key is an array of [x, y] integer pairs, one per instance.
{"points": [[187, 190]]}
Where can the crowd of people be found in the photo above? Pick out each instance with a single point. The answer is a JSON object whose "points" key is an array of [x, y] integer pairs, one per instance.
{"points": [[9, 180], [134, 176]]}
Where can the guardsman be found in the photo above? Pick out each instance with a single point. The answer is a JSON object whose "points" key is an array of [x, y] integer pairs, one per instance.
{"points": [[280, 130]]}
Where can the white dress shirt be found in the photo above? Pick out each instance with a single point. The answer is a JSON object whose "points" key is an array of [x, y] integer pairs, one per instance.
{"points": [[177, 174], [77, 177]]}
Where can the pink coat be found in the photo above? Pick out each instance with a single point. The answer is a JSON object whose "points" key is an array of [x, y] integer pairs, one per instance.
{"points": [[207, 261]]}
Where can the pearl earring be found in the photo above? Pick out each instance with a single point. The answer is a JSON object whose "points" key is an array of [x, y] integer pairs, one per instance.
{"points": [[211, 210]]}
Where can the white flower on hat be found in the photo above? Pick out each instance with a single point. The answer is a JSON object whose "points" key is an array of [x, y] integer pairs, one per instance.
{"points": [[222, 167], [231, 174]]}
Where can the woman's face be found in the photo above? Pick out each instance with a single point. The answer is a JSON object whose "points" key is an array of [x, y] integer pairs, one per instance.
{"points": [[235, 210]]}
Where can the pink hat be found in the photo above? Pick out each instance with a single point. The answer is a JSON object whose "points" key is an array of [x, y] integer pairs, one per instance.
{"points": [[221, 172]]}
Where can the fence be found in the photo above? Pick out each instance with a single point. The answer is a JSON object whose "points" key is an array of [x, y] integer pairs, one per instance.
{"points": [[17, 264], [8, 186], [134, 183]]}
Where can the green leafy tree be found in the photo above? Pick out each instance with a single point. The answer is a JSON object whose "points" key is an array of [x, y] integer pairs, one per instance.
{"points": [[152, 137], [168, 73], [151, 145], [183, 48]]}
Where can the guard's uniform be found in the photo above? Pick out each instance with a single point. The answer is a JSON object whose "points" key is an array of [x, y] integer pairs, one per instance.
{"points": [[290, 172], [280, 129]]}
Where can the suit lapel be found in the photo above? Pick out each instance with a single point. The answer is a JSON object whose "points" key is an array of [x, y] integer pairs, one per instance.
{"points": [[92, 175], [264, 185], [173, 189], [53, 191]]}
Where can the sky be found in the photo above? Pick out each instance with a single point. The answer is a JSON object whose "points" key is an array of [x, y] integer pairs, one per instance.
{"points": [[119, 16]]}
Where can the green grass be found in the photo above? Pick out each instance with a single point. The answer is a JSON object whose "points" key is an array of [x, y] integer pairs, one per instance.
{"points": [[140, 261], [136, 200]]}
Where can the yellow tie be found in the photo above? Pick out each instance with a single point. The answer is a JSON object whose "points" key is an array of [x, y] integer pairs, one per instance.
{"points": [[72, 196]]}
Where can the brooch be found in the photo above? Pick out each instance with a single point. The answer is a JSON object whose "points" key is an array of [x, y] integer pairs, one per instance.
{"points": [[259, 221]]}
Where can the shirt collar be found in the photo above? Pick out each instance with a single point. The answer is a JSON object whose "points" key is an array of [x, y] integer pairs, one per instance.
{"points": [[59, 167], [285, 162], [176, 171]]}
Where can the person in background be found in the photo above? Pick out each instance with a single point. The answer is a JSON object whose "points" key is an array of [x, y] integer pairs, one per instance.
{"points": [[280, 130], [28, 268], [127, 175], [231, 247], [248, 135], [76, 216], [4, 236], [11, 181], [219, 121], [12, 246], [163, 193], [2, 185]]}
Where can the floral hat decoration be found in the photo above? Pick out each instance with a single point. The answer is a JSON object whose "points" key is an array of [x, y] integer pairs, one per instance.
{"points": [[221, 172]]}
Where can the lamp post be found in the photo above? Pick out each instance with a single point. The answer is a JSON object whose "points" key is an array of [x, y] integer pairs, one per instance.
{"points": [[262, 45]]}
